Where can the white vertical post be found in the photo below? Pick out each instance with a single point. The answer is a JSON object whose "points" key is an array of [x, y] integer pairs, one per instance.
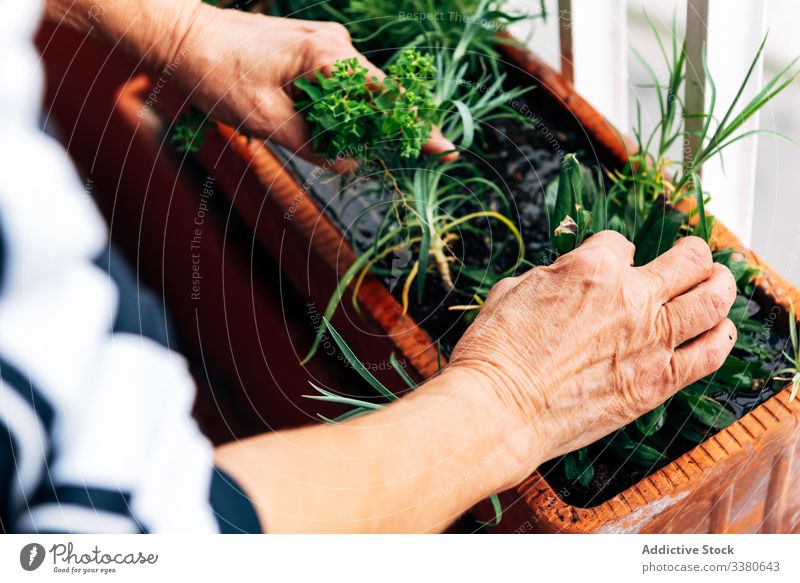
{"points": [[587, 40], [695, 102], [734, 34], [543, 37], [600, 52], [565, 39]]}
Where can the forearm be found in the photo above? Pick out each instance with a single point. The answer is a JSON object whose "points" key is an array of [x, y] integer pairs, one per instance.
{"points": [[152, 30], [411, 467]]}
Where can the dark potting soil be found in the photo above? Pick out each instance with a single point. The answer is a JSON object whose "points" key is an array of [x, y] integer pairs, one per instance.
{"points": [[523, 160]]}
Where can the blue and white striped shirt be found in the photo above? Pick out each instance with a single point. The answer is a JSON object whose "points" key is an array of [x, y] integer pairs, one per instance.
{"points": [[95, 427]]}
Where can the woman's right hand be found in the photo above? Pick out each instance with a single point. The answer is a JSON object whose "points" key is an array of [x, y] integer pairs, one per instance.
{"points": [[578, 349]]}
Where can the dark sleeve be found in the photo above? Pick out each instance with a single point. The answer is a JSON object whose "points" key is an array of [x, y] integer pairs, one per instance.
{"points": [[6, 443], [26, 423], [232, 507], [6, 477]]}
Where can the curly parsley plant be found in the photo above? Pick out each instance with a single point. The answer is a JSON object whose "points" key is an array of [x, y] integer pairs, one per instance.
{"points": [[355, 115]]}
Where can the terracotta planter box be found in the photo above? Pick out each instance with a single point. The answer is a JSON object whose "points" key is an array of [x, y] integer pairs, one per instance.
{"points": [[736, 481], [739, 480]]}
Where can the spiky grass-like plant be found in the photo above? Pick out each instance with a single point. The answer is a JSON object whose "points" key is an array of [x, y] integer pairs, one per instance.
{"points": [[428, 205], [792, 373]]}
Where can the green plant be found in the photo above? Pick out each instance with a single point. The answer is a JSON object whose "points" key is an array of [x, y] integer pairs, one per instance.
{"points": [[462, 27], [792, 373], [365, 119], [701, 407], [426, 205], [363, 406], [646, 176], [641, 204], [425, 217], [189, 131]]}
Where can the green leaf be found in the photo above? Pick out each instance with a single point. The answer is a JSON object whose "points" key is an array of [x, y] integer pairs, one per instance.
{"points": [[584, 226], [658, 233], [707, 410], [616, 223], [349, 114], [688, 429], [599, 202], [357, 412], [357, 365], [738, 373], [330, 397], [401, 371], [570, 183], [311, 89], [498, 511], [578, 467], [421, 202], [702, 229], [468, 124], [742, 271], [740, 310], [652, 422], [637, 451]]}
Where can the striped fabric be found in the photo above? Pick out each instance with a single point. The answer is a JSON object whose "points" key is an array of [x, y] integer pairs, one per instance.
{"points": [[95, 427]]}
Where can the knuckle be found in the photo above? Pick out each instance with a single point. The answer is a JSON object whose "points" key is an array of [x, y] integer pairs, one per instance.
{"points": [[658, 282], [730, 283], [717, 306], [713, 357], [336, 29], [500, 289], [697, 252], [606, 259], [612, 237], [597, 260]]}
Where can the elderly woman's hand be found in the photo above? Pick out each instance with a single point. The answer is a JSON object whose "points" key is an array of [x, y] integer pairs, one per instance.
{"points": [[240, 67], [578, 349]]}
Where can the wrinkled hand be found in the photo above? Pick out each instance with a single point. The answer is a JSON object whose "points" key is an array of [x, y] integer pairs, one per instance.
{"points": [[240, 67], [586, 345]]}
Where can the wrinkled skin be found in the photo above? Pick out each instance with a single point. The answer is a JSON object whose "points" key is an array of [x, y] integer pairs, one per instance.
{"points": [[586, 345], [241, 68]]}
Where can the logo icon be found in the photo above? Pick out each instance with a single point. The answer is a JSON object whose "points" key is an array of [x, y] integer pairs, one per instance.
{"points": [[400, 259], [31, 556]]}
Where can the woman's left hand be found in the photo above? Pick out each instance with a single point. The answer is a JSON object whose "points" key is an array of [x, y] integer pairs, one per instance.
{"points": [[240, 68]]}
